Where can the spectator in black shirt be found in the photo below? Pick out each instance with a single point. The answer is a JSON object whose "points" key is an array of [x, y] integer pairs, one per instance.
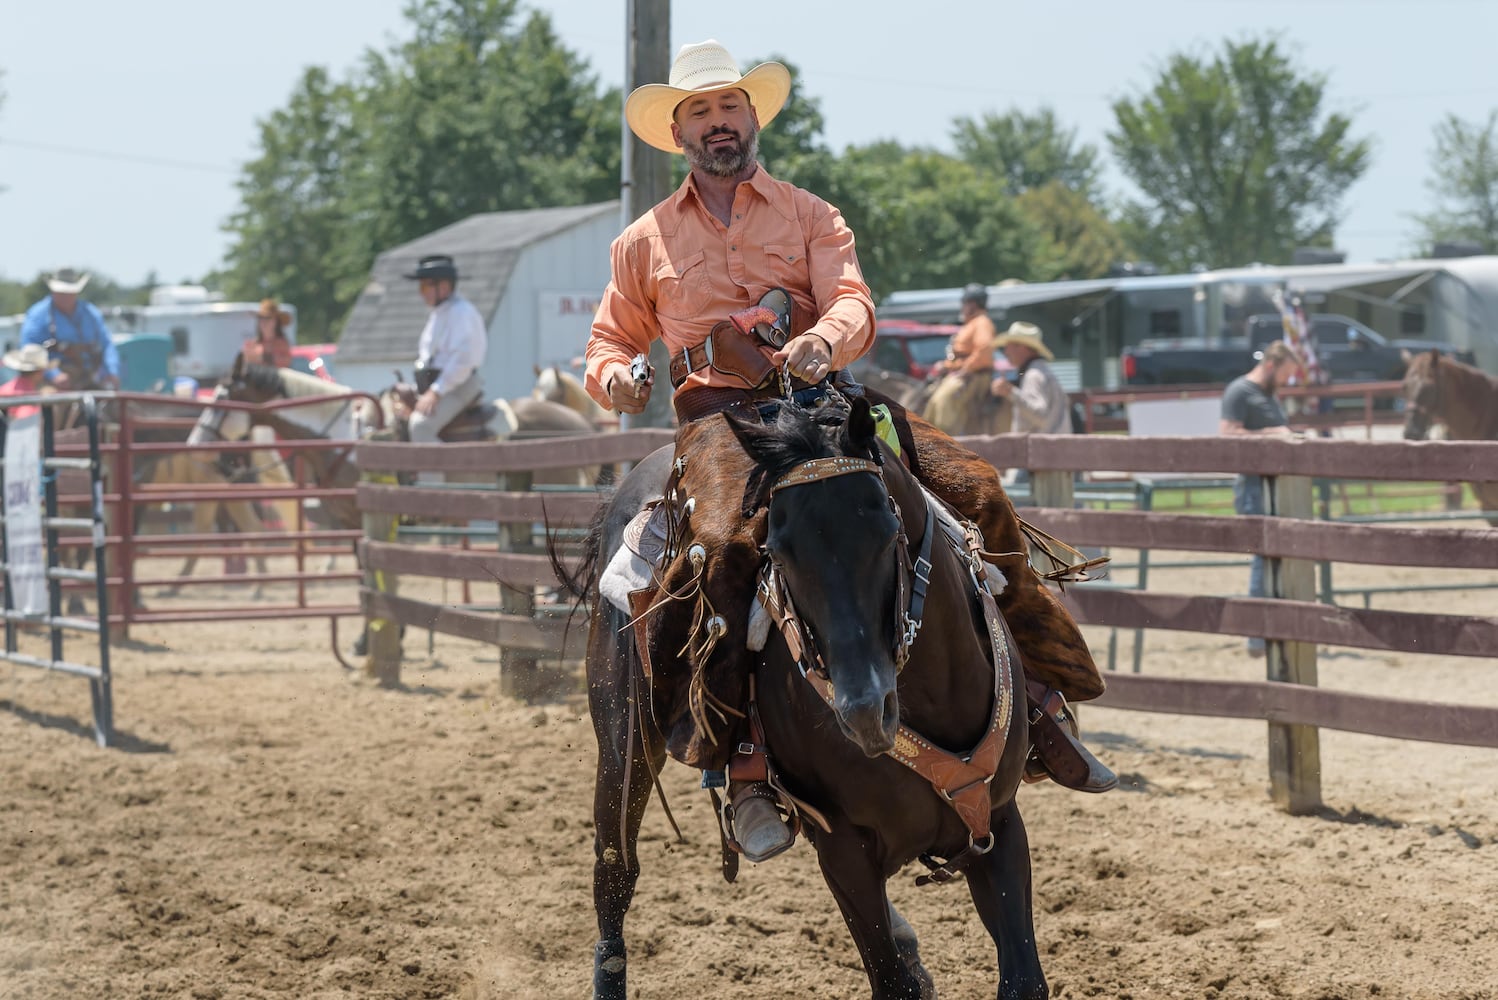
{"points": [[1249, 406]]}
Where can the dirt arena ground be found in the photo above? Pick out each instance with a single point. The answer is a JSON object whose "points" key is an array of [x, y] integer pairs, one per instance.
{"points": [[272, 826]]}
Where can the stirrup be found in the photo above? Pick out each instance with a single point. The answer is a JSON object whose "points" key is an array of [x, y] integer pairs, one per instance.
{"points": [[756, 828], [1057, 751]]}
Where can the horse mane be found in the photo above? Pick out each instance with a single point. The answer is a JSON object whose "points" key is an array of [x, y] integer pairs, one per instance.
{"points": [[570, 392], [299, 385], [292, 384], [795, 437]]}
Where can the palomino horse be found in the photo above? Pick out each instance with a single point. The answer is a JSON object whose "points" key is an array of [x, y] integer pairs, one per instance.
{"points": [[963, 404], [561, 386], [841, 522], [324, 417], [182, 469], [1463, 399]]}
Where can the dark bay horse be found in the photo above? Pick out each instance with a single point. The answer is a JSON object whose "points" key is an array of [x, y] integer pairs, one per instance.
{"points": [[841, 533], [1459, 397]]}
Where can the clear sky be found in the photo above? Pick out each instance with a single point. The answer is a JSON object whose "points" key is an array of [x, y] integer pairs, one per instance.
{"points": [[123, 124]]}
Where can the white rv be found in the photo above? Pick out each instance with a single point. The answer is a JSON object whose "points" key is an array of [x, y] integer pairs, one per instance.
{"points": [[206, 332]]}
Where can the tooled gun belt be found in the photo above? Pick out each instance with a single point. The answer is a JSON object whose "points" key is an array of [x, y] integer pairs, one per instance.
{"points": [[685, 362]]}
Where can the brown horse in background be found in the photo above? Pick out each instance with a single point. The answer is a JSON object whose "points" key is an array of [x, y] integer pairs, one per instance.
{"points": [[1461, 398]]}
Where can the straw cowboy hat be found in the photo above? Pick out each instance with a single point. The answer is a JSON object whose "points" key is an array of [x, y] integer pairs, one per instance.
{"points": [[270, 307], [67, 281], [1027, 334], [29, 358], [702, 68]]}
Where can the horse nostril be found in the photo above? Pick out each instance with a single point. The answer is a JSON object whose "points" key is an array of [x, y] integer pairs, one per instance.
{"points": [[891, 712]]}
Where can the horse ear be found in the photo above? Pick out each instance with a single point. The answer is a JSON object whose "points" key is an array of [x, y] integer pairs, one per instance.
{"points": [[862, 432], [1406, 356], [748, 431], [537, 370], [237, 372]]}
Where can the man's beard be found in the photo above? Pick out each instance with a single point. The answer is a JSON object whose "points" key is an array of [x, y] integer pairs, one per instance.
{"points": [[724, 162]]}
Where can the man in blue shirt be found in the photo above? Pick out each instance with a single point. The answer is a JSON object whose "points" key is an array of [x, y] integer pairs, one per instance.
{"points": [[74, 334]]}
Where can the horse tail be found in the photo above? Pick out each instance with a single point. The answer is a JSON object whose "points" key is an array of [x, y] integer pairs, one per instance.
{"points": [[580, 579]]}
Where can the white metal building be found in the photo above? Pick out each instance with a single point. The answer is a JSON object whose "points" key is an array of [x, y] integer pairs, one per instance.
{"points": [[535, 276]]}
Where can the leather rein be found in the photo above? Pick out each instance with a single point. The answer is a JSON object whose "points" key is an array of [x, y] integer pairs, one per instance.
{"points": [[962, 780]]}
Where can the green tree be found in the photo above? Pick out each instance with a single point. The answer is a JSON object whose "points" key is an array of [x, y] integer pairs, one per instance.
{"points": [[292, 228], [1075, 240], [475, 115], [922, 219], [1235, 158], [1028, 151], [797, 130], [1465, 184], [477, 111]]}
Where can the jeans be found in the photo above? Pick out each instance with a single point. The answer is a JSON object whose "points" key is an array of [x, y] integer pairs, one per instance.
{"points": [[1248, 498]]}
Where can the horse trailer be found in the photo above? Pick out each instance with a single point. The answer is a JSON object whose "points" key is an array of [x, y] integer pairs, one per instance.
{"points": [[1451, 302]]}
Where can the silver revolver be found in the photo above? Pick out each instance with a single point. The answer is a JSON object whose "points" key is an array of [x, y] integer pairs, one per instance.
{"points": [[641, 371]]}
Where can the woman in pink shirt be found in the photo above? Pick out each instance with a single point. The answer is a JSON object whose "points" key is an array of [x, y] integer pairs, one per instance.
{"points": [[30, 363]]}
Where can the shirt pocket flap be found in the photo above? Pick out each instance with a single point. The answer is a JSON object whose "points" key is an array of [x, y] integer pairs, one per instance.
{"points": [[682, 287], [788, 252], [672, 269]]}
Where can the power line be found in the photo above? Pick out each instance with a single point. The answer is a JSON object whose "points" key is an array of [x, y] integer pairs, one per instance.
{"points": [[105, 154]]}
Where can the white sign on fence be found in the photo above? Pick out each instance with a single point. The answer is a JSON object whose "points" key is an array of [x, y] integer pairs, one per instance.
{"points": [[24, 553], [1175, 417]]}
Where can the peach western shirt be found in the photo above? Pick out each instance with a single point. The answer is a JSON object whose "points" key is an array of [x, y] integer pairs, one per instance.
{"points": [[972, 346], [678, 271]]}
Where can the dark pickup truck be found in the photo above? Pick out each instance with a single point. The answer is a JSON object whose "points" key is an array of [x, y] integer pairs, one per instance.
{"points": [[1348, 352]]}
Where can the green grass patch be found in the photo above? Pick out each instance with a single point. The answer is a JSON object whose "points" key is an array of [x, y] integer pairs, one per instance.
{"points": [[1344, 498]]}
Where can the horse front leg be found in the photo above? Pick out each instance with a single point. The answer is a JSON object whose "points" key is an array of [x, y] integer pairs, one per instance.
{"points": [[853, 874], [621, 791], [999, 883]]}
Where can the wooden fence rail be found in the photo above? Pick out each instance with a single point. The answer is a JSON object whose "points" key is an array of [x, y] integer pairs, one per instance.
{"points": [[1291, 620]]}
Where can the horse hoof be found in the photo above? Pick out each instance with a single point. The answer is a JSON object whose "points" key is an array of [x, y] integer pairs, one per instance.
{"points": [[609, 970]]}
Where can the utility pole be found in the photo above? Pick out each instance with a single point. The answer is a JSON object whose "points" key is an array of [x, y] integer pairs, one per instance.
{"points": [[646, 171]]}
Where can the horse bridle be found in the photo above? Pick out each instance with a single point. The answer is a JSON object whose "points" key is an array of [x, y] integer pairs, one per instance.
{"points": [[962, 780], [341, 455], [912, 577]]}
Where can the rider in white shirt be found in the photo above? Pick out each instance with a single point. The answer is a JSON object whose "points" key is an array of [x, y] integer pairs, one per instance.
{"points": [[450, 352]]}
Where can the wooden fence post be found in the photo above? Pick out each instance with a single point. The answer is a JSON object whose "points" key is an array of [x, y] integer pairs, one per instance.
{"points": [[1294, 750], [383, 654], [517, 667], [1052, 488]]}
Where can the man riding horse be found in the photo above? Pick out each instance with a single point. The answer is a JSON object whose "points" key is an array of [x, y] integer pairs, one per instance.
{"points": [[73, 332], [756, 290]]}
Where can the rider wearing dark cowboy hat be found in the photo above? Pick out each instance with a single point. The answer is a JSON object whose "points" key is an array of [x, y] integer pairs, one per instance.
{"points": [[450, 352]]}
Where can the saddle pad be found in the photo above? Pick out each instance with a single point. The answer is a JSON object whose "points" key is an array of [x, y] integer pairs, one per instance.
{"points": [[631, 567], [625, 572]]}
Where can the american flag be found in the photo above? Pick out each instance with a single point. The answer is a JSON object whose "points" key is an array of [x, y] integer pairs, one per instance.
{"points": [[1298, 335]]}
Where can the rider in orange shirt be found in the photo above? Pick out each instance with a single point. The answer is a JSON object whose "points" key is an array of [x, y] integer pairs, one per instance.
{"points": [[728, 236], [269, 346]]}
